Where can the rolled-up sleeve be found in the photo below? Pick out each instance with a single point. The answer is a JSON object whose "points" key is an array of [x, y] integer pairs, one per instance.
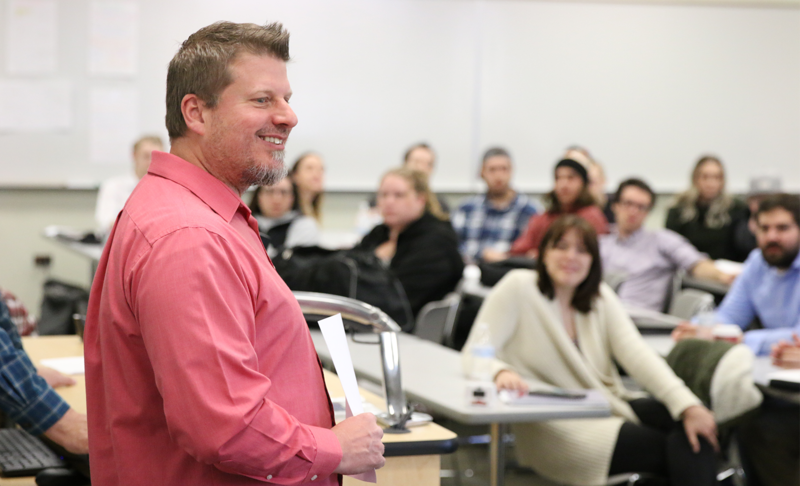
{"points": [[198, 324]]}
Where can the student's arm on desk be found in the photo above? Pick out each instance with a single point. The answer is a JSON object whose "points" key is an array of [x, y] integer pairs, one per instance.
{"points": [[707, 270]]}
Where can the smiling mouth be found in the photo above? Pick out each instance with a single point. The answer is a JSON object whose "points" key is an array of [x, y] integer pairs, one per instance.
{"points": [[273, 140]]}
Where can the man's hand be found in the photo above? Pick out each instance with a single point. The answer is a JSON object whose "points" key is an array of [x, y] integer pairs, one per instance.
{"points": [[687, 330], [510, 380], [726, 278], [490, 255], [699, 421], [786, 355], [54, 378], [362, 449], [71, 432]]}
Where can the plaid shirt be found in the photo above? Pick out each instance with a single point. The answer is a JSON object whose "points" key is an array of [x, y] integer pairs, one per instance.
{"points": [[24, 396], [19, 314], [480, 225]]}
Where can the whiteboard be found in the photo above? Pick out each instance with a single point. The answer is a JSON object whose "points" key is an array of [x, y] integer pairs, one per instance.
{"points": [[647, 88]]}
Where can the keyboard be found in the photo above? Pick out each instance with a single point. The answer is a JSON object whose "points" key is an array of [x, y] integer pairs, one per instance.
{"points": [[22, 454]]}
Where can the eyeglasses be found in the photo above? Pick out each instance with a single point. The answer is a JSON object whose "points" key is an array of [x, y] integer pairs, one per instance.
{"points": [[632, 205]]}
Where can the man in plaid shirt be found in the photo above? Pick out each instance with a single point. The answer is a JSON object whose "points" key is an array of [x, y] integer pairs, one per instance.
{"points": [[487, 224], [27, 398]]}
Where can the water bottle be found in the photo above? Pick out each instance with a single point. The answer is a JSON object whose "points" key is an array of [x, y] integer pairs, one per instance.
{"points": [[482, 354]]}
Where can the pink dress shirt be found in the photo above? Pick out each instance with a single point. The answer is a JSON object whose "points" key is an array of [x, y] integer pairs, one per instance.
{"points": [[199, 365]]}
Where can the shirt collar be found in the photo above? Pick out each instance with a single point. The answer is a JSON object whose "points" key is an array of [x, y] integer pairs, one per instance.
{"points": [[636, 234], [212, 191]]}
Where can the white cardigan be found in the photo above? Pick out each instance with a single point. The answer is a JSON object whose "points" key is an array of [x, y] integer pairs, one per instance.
{"points": [[529, 337]]}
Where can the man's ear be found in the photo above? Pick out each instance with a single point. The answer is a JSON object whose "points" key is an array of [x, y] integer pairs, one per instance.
{"points": [[194, 111]]}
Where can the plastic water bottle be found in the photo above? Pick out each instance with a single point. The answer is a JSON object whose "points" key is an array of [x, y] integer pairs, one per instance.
{"points": [[471, 281], [483, 354]]}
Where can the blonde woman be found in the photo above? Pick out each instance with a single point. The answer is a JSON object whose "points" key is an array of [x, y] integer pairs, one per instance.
{"points": [[415, 240], [706, 215]]}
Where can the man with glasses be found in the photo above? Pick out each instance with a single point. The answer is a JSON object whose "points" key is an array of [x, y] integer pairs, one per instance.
{"points": [[647, 259]]}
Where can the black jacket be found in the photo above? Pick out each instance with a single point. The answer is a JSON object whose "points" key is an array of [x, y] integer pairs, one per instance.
{"points": [[427, 261]]}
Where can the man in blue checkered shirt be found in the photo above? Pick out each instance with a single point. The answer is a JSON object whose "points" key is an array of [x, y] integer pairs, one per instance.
{"points": [[29, 401], [487, 224]]}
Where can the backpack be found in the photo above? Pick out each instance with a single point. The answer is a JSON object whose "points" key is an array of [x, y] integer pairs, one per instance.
{"points": [[357, 274]]}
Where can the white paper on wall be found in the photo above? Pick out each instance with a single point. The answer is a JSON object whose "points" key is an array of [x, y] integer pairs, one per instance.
{"points": [[35, 105], [113, 124], [31, 36], [113, 38]]}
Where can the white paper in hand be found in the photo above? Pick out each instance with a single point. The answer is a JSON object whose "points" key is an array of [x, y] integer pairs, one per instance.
{"points": [[333, 331]]}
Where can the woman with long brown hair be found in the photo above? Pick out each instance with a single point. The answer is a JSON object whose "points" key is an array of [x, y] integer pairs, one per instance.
{"points": [[570, 195], [561, 326]]}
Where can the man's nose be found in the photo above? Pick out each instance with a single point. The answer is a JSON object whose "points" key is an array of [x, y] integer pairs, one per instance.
{"points": [[285, 116]]}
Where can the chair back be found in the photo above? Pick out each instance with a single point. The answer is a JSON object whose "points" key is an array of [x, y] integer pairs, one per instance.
{"points": [[436, 320], [687, 303]]}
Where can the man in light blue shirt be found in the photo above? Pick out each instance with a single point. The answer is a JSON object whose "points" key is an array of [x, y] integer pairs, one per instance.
{"points": [[768, 288]]}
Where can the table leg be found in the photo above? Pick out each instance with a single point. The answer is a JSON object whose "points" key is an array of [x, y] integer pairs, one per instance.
{"points": [[497, 455]]}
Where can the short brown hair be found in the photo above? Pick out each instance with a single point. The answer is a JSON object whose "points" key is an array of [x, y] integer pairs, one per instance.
{"points": [[590, 287], [787, 202], [201, 65]]}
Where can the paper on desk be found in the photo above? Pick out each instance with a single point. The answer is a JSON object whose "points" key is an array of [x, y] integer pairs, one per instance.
{"points": [[333, 331], [69, 366]]}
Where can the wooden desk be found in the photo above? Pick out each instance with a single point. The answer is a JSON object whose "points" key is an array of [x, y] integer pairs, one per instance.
{"points": [[412, 458]]}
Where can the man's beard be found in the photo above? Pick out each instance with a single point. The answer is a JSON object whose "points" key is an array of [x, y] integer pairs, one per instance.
{"points": [[265, 175], [784, 259]]}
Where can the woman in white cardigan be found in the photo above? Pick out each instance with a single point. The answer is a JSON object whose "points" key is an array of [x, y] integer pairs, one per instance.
{"points": [[561, 326]]}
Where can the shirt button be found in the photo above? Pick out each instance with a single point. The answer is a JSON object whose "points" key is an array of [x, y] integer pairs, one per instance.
{"points": [[314, 477], [269, 477]]}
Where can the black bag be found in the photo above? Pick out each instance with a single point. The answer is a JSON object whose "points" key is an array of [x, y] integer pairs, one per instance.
{"points": [[357, 274], [60, 302]]}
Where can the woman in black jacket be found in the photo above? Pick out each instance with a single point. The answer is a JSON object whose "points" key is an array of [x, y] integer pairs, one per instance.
{"points": [[416, 241]]}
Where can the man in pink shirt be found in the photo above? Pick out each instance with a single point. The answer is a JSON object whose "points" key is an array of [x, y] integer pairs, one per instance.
{"points": [[199, 365]]}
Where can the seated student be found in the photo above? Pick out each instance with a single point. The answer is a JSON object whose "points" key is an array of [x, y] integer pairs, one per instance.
{"points": [[308, 175], [115, 191], [647, 259], [569, 196], [562, 326], [768, 289], [489, 223], [597, 178], [745, 232], [415, 239], [285, 227], [29, 400], [705, 214], [421, 157]]}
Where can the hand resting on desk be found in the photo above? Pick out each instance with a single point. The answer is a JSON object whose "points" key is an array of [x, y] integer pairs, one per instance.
{"points": [[71, 432], [510, 380], [53, 377], [362, 449], [786, 355]]}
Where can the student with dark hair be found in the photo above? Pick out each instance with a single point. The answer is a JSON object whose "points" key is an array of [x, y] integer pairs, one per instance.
{"points": [[308, 177], [768, 289], [559, 325], [285, 227], [646, 260], [569, 196], [487, 224], [707, 215]]}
